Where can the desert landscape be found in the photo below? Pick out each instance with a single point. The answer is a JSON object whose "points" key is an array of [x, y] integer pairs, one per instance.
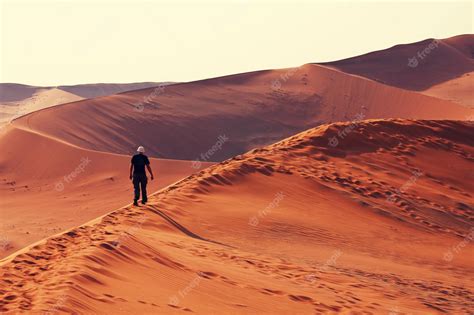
{"points": [[341, 187]]}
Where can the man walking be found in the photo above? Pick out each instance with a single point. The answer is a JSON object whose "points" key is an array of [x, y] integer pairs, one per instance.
{"points": [[138, 174]]}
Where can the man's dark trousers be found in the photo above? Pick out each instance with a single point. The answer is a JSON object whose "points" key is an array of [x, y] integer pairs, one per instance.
{"points": [[140, 181]]}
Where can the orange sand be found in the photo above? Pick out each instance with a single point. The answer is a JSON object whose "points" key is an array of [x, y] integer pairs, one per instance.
{"points": [[332, 229], [43, 191]]}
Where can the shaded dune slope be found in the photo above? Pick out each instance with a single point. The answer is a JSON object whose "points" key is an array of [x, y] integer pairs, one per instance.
{"points": [[445, 60]]}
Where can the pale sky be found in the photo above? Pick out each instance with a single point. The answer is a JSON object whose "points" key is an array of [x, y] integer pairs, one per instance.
{"points": [[60, 42]]}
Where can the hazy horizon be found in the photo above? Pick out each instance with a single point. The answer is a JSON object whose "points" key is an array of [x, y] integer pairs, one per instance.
{"points": [[74, 42]]}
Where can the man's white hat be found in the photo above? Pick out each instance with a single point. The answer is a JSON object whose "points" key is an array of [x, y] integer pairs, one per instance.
{"points": [[141, 149]]}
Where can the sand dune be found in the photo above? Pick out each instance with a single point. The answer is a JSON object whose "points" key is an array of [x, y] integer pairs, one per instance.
{"points": [[102, 89], [441, 68], [184, 121], [348, 218], [19, 99], [11, 92], [41, 98], [444, 60], [459, 90], [49, 186], [14, 92]]}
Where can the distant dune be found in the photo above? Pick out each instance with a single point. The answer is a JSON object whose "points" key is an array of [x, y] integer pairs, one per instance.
{"points": [[421, 66], [12, 92], [459, 90], [19, 99], [183, 121], [41, 98], [103, 89], [368, 223]]}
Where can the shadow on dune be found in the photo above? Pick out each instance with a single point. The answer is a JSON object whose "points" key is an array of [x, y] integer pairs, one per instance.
{"points": [[182, 228]]}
